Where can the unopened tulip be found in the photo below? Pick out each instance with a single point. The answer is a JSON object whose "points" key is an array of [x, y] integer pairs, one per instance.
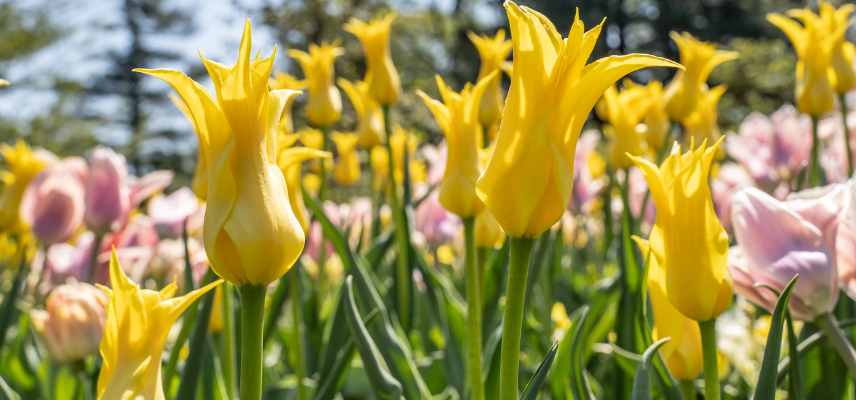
{"points": [[108, 197], [172, 214], [528, 181], [777, 240], [22, 166], [384, 84], [71, 325], [493, 51], [458, 117], [813, 44], [379, 160], [370, 122], [699, 58], [65, 261], [695, 245], [135, 332], [404, 143], [325, 102], [251, 233], [683, 353], [347, 169], [52, 205]]}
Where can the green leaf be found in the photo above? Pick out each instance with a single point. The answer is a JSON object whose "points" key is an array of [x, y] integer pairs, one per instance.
{"points": [[642, 380], [338, 351], [530, 392], [198, 345], [7, 391], [8, 309], [794, 375], [766, 387], [579, 383], [384, 384]]}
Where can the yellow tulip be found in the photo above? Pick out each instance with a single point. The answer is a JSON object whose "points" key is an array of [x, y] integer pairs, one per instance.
{"points": [[683, 353], [488, 233], [695, 245], [286, 81], [699, 58], [325, 102], [347, 169], [381, 76], [369, 114], [313, 139], [656, 121], [290, 162], [404, 144], [813, 44], [135, 331], [3, 83], [527, 183], [379, 159], [22, 165], [458, 117], [843, 58], [251, 234], [702, 123], [624, 111], [493, 51]]}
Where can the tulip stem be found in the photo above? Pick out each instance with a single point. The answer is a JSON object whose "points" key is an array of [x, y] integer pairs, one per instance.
{"points": [[842, 102], [297, 314], [228, 339], [813, 176], [687, 389], [711, 371], [829, 325], [512, 320], [400, 232], [474, 317], [252, 332]]}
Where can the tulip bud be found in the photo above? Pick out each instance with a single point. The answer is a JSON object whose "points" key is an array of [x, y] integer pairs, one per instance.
{"points": [[381, 75], [325, 102], [52, 205], [493, 51], [699, 58], [369, 114], [347, 169], [106, 189], [172, 214], [72, 323]]}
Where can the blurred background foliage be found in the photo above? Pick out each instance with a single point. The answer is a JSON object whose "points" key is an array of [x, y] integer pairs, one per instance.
{"points": [[117, 107]]}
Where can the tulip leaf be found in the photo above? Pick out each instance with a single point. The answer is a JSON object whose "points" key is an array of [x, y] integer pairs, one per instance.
{"points": [[8, 310], [198, 344], [642, 380], [766, 387], [384, 384], [338, 351], [579, 383], [530, 392], [7, 391], [794, 374], [806, 345]]}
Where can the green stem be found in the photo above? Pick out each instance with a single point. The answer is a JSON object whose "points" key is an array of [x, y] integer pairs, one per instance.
{"points": [[842, 102], [829, 325], [711, 371], [297, 315], [512, 322], [474, 317], [687, 389], [252, 319], [227, 347], [402, 262], [813, 176]]}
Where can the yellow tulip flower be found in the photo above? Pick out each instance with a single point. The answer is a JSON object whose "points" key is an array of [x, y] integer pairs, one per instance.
{"points": [[251, 234], [381, 76], [493, 51], [682, 354], [290, 160], [527, 183], [699, 58], [813, 44], [370, 127], [199, 182], [3, 83], [458, 118], [347, 169], [695, 245], [702, 123], [286, 81], [325, 102], [624, 111], [22, 165], [135, 331], [379, 159], [314, 139], [656, 121], [404, 143], [843, 57], [488, 233]]}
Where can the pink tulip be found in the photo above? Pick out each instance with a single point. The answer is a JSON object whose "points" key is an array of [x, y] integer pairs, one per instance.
{"points": [[779, 239], [436, 225], [65, 261], [728, 181], [170, 213], [73, 321], [586, 187], [108, 197], [845, 245], [772, 149], [52, 205], [834, 157], [168, 263]]}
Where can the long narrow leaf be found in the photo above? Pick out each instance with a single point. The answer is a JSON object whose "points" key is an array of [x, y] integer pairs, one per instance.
{"points": [[642, 380], [766, 388], [530, 392]]}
